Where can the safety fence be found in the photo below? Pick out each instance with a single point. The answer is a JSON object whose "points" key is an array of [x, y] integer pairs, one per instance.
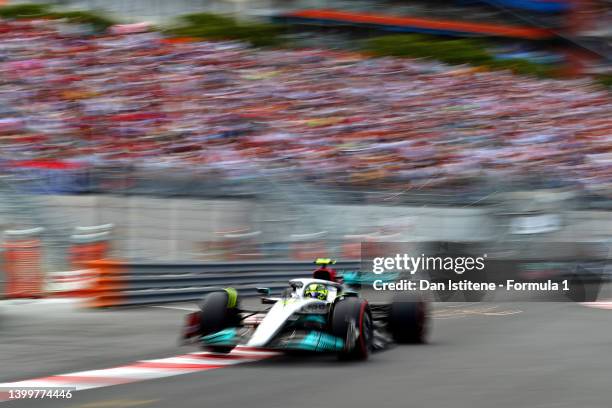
{"points": [[205, 183], [131, 284]]}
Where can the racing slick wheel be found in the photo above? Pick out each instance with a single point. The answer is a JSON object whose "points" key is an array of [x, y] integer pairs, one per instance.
{"points": [[219, 311], [351, 320], [408, 320]]}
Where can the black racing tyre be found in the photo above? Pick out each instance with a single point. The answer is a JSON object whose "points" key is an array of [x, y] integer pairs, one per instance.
{"points": [[216, 316], [408, 321], [351, 320], [583, 287]]}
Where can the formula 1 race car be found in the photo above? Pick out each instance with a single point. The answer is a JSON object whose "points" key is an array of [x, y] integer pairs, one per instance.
{"points": [[319, 314]]}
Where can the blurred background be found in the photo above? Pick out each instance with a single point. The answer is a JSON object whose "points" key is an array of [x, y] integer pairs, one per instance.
{"points": [[196, 131], [152, 151]]}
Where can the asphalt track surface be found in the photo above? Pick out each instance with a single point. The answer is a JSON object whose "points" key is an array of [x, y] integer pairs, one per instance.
{"points": [[480, 356]]}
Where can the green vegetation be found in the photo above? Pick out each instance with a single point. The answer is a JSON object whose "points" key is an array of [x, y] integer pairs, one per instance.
{"points": [[198, 25], [217, 27], [24, 11], [605, 80], [454, 51], [97, 21]]}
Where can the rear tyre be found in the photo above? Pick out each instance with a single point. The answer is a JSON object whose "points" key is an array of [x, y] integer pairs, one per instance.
{"points": [[216, 316], [409, 321], [352, 321]]}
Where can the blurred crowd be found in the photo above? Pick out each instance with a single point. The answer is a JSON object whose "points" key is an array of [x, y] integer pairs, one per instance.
{"points": [[226, 110]]}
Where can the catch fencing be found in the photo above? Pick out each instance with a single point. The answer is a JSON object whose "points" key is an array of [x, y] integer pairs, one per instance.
{"points": [[133, 284]]}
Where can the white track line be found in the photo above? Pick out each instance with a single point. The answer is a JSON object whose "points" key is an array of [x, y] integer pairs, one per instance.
{"points": [[142, 370], [600, 304], [187, 309]]}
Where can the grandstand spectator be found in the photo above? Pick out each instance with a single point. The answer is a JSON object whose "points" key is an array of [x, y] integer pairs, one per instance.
{"points": [[225, 110]]}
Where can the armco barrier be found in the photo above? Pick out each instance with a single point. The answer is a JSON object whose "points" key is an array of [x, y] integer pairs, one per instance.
{"points": [[108, 284], [131, 284], [75, 283]]}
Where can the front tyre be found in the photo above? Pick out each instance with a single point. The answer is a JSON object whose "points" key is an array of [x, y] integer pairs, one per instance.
{"points": [[219, 311], [352, 321]]}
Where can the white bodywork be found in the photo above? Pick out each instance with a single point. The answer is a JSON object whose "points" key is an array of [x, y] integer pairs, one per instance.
{"points": [[284, 308]]}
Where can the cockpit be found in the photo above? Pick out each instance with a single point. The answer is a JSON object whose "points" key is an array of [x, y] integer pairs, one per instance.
{"points": [[313, 289]]}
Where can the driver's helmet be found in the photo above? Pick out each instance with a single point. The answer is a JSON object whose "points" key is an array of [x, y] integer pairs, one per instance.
{"points": [[316, 291]]}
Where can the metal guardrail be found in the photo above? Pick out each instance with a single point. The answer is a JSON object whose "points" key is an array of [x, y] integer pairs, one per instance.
{"points": [[127, 284], [122, 284]]}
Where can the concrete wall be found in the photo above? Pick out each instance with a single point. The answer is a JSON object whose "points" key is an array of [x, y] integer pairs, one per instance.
{"points": [[171, 229], [157, 228], [180, 229]]}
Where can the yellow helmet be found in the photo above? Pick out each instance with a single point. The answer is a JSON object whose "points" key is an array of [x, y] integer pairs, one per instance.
{"points": [[316, 291]]}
